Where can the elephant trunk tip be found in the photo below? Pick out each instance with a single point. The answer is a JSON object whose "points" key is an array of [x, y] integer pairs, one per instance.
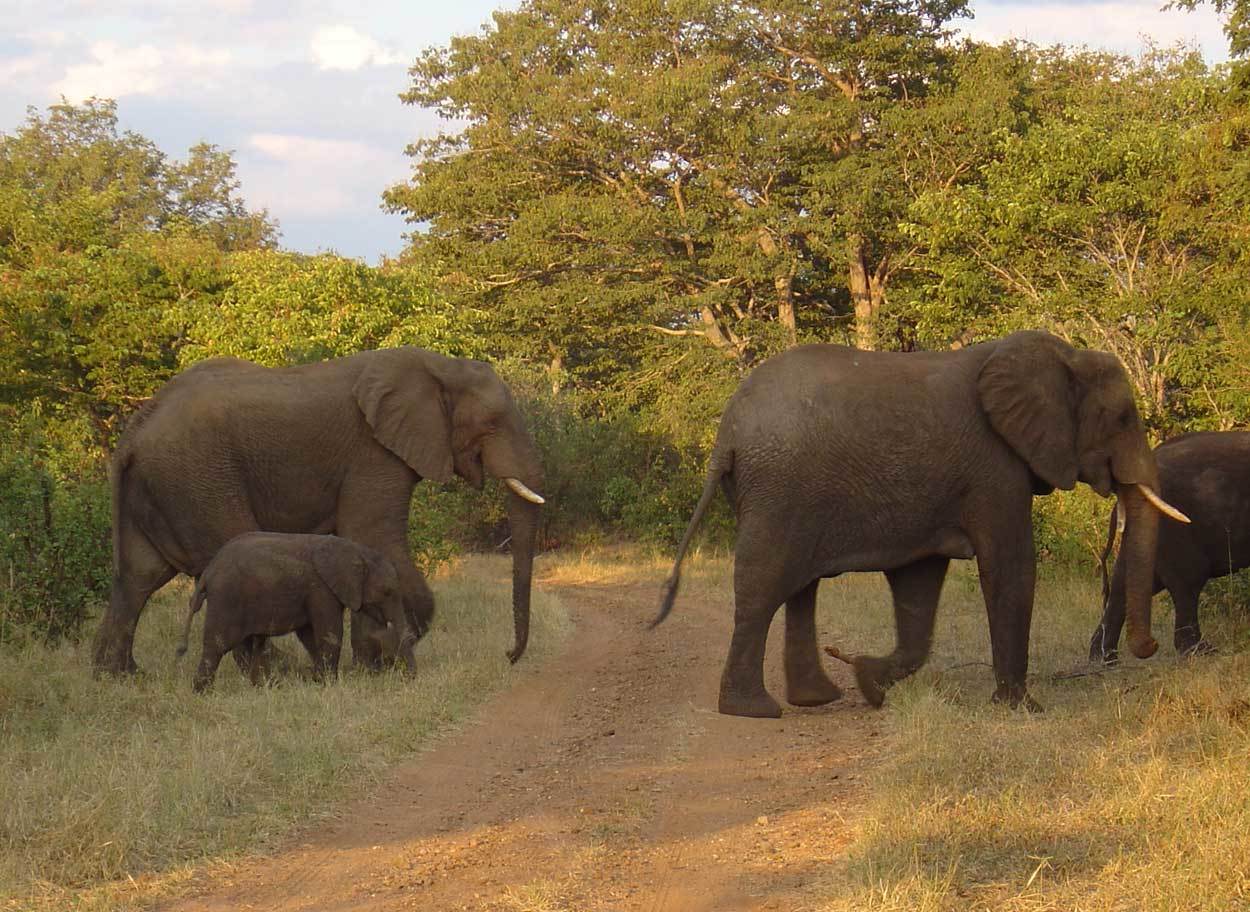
{"points": [[514, 654], [1144, 647]]}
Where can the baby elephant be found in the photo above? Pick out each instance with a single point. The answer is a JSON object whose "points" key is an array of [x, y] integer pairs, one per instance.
{"points": [[264, 584]]}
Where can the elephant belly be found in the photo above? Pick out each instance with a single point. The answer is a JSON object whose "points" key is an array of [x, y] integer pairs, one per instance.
{"points": [[848, 557]]}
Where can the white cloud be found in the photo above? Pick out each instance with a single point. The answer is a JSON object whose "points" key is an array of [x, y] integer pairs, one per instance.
{"points": [[116, 71], [1120, 25], [312, 177], [341, 47], [294, 149], [14, 68]]}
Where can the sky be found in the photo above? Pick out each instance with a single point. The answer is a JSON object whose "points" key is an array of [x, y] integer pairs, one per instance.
{"points": [[305, 92]]}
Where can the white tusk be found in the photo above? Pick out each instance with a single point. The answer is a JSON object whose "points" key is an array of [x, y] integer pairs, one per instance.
{"points": [[1119, 516], [1162, 505], [517, 486]]}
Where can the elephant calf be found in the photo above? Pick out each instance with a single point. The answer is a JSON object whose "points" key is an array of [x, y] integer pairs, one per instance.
{"points": [[1206, 474], [263, 584]]}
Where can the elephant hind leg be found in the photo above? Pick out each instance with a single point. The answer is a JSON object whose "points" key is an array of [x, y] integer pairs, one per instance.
{"points": [[806, 681], [139, 570], [916, 588], [757, 596]]}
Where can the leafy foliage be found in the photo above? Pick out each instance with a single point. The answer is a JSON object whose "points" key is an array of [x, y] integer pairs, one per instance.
{"points": [[105, 244], [54, 538], [279, 308]]}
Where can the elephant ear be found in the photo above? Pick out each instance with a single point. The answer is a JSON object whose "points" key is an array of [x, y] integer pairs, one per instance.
{"points": [[403, 403], [342, 569], [1026, 390]]}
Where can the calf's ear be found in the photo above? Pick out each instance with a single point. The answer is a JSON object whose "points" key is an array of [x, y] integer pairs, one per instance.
{"points": [[342, 569]]}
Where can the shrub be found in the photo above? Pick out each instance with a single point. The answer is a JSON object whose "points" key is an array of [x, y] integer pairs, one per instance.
{"points": [[54, 541]]}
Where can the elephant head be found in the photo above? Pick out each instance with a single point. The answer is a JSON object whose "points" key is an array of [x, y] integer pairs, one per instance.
{"points": [[366, 582], [1069, 414], [450, 416]]}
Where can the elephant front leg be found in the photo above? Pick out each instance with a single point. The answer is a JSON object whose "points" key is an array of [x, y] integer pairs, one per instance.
{"points": [[1007, 569], [806, 681], [207, 670], [916, 589]]}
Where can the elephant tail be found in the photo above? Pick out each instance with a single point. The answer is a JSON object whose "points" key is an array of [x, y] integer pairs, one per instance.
{"points": [[720, 466], [197, 600]]}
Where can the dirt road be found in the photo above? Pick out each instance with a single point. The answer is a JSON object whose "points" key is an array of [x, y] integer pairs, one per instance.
{"points": [[603, 781]]}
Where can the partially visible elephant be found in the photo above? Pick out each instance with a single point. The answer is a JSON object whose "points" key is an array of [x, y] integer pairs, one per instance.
{"points": [[264, 584], [1206, 474], [228, 447], [837, 460]]}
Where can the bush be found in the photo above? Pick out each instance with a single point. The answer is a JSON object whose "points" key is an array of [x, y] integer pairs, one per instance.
{"points": [[54, 542], [1070, 528]]}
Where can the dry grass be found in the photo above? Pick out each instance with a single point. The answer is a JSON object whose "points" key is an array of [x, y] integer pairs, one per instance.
{"points": [[1129, 792], [113, 792]]}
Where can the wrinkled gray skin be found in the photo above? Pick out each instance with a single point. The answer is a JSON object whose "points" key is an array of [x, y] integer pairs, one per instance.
{"points": [[229, 447], [264, 584], [1207, 476], [838, 460]]}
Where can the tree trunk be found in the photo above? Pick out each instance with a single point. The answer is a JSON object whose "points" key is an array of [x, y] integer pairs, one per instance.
{"points": [[556, 371], [784, 283], [867, 292]]}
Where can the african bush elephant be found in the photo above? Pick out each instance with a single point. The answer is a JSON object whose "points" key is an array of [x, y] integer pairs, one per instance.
{"points": [[228, 447], [1206, 474], [264, 584], [836, 460]]}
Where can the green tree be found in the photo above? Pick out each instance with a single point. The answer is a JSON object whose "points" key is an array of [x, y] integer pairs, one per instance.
{"points": [[280, 308], [625, 173], [105, 246], [1111, 221]]}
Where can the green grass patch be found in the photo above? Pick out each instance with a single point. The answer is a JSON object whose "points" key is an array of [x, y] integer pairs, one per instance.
{"points": [[113, 792]]}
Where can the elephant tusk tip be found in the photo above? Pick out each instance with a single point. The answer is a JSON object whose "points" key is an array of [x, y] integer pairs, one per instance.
{"points": [[1162, 505]]}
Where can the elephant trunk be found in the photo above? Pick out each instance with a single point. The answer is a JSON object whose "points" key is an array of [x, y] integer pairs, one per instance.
{"points": [[523, 519], [1141, 536], [405, 636]]}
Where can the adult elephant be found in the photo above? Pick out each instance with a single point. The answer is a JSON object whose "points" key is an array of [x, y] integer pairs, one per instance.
{"points": [[228, 447], [1206, 474], [838, 460]]}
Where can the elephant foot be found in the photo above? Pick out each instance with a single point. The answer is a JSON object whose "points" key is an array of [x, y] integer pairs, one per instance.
{"points": [[1194, 648], [754, 706], [125, 669], [1099, 652], [812, 691], [1016, 698], [871, 676]]}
